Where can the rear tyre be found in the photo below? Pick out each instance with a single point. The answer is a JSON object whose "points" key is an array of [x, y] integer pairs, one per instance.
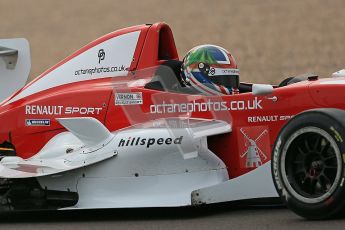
{"points": [[289, 81], [308, 165]]}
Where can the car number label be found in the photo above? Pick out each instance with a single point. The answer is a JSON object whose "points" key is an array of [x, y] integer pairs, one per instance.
{"points": [[129, 98]]}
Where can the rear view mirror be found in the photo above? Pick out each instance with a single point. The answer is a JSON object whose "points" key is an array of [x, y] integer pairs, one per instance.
{"points": [[10, 56], [340, 73], [262, 89], [15, 65]]}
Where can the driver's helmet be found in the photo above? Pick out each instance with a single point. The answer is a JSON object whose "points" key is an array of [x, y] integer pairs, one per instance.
{"points": [[211, 70]]}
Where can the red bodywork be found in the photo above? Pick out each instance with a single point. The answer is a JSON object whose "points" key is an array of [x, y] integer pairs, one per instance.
{"points": [[259, 117]]}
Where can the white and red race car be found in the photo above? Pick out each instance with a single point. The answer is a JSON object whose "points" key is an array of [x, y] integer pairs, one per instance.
{"points": [[111, 126]]}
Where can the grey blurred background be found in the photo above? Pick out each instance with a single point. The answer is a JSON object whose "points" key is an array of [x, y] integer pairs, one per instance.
{"points": [[270, 39]]}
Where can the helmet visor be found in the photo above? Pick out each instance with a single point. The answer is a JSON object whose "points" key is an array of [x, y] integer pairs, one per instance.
{"points": [[228, 81], [226, 77]]}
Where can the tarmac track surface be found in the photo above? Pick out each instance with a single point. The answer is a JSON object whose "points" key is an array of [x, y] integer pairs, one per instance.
{"points": [[214, 217]]}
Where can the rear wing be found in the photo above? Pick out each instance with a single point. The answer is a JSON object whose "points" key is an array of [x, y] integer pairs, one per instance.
{"points": [[15, 65]]}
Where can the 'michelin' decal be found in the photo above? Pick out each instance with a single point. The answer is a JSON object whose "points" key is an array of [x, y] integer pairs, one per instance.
{"points": [[37, 122]]}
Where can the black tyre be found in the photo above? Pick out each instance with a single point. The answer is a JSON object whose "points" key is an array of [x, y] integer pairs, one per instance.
{"points": [[308, 163]]}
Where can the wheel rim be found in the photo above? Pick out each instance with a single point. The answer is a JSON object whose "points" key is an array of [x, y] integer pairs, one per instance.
{"points": [[311, 165]]}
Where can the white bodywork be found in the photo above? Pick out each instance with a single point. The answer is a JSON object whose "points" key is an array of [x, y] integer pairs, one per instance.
{"points": [[142, 176], [88, 142], [172, 167], [148, 165], [240, 188]]}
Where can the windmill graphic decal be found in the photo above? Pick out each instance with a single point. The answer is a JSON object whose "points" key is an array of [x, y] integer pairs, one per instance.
{"points": [[254, 146]]}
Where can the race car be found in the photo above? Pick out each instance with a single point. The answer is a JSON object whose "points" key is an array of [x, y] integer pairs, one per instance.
{"points": [[111, 126]]}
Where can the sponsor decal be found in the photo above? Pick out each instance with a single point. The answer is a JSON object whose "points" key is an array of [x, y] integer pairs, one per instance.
{"points": [[275, 163], [60, 110], [148, 142], [268, 118], [129, 98], [98, 70], [101, 55], [254, 104], [103, 69], [254, 146], [212, 71], [37, 122], [223, 71], [337, 135]]}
